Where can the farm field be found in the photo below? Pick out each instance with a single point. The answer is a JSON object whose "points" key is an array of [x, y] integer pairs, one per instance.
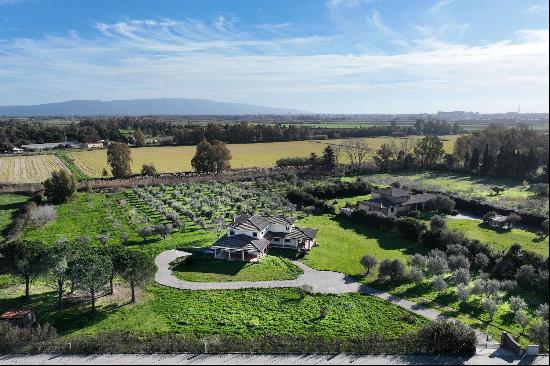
{"points": [[343, 242], [96, 214], [28, 169], [169, 159], [500, 240], [515, 196], [9, 204], [204, 268], [241, 313]]}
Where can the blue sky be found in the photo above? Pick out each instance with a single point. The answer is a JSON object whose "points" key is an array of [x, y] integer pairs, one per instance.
{"points": [[331, 56]]}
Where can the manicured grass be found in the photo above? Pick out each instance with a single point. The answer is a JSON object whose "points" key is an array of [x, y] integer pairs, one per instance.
{"points": [[244, 313], [204, 268], [343, 242], [9, 204], [500, 240], [341, 202], [178, 158]]}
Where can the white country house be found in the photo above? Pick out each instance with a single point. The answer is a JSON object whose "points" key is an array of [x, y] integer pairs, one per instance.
{"points": [[249, 238]]}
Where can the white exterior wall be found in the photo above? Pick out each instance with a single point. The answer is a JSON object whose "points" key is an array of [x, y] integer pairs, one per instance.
{"points": [[280, 228], [260, 234], [293, 243]]}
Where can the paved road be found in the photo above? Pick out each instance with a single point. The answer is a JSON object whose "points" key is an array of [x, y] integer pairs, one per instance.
{"points": [[320, 281], [484, 357]]}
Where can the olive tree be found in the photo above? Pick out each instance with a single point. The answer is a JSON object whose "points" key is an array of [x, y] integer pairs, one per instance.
{"points": [[522, 319], [369, 262], [517, 304]]}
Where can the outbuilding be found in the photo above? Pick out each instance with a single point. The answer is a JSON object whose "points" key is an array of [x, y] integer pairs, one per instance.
{"points": [[19, 317]]}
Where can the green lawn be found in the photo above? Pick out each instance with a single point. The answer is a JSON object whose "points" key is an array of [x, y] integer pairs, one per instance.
{"points": [[204, 268], [341, 202], [9, 204], [516, 196], [343, 242], [243, 313], [500, 240]]}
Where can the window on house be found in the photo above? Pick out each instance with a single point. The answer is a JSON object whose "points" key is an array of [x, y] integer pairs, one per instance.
{"points": [[287, 240], [277, 239], [231, 232], [255, 234]]}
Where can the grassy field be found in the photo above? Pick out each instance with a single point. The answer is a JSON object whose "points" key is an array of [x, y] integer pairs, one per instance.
{"points": [[28, 169], [9, 204], [94, 214], [500, 240], [178, 158], [342, 243], [204, 268], [243, 313], [516, 195]]}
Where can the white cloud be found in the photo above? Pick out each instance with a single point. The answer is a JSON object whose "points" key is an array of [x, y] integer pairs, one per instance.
{"points": [[166, 58], [536, 9], [440, 4], [376, 21]]}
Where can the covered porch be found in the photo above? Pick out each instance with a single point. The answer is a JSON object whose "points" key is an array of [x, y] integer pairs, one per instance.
{"points": [[237, 254]]}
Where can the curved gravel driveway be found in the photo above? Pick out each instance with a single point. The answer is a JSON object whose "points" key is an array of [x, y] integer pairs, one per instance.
{"points": [[326, 282]]}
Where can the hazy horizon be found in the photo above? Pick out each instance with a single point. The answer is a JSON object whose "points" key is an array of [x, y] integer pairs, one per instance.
{"points": [[276, 107]]}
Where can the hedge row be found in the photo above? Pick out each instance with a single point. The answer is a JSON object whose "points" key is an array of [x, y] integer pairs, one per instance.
{"points": [[453, 338], [339, 189]]}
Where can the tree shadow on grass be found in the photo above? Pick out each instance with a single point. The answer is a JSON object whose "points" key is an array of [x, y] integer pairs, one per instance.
{"points": [[207, 264], [66, 320], [385, 240]]}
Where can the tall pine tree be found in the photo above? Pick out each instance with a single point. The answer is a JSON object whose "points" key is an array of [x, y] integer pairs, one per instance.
{"points": [[488, 161], [474, 160]]}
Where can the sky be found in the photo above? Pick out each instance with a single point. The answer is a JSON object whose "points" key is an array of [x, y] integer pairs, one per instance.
{"points": [[322, 56]]}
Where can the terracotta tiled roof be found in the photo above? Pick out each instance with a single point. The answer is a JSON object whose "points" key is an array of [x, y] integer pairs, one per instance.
{"points": [[15, 314]]}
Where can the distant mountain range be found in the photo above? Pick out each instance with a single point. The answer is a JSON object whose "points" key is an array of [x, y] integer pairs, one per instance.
{"points": [[141, 107]]}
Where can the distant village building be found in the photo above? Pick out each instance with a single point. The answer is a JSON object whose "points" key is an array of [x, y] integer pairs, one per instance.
{"points": [[19, 317], [394, 201], [249, 238], [92, 145], [50, 146], [162, 140]]}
